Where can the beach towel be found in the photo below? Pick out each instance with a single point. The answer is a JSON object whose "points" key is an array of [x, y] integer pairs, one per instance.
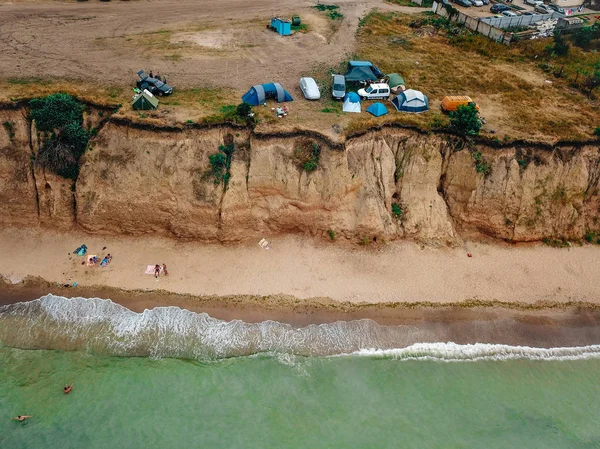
{"points": [[264, 244], [104, 262], [150, 269], [81, 250]]}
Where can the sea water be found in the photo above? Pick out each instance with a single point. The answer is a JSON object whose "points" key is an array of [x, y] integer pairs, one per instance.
{"points": [[170, 378]]}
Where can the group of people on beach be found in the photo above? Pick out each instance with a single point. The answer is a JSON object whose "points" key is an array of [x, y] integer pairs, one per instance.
{"points": [[158, 268], [67, 389]]}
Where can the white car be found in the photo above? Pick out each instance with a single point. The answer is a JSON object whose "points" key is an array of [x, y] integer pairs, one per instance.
{"points": [[509, 14], [375, 91], [533, 2], [477, 2], [309, 88]]}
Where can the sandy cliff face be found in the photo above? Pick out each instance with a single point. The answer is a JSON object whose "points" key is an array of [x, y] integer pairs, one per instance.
{"points": [[388, 184]]}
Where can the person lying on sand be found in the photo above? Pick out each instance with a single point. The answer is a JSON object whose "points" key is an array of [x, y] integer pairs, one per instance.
{"points": [[21, 418], [166, 273], [68, 388]]}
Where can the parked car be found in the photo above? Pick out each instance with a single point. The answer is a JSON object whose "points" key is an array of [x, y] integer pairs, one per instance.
{"points": [[153, 85], [465, 3], [309, 88], [477, 2], [486, 2], [508, 13], [498, 7], [338, 87], [533, 2], [556, 8], [528, 13], [542, 9], [375, 91]]}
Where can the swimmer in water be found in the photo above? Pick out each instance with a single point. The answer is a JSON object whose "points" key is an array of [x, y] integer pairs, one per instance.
{"points": [[21, 418], [68, 388]]}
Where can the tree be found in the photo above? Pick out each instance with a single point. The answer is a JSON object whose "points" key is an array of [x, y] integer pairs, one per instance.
{"points": [[465, 120], [561, 46], [583, 37]]}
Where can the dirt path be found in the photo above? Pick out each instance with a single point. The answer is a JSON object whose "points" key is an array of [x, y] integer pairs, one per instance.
{"points": [[108, 42]]}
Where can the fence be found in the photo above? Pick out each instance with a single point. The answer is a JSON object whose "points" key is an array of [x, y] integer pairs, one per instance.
{"points": [[519, 21], [475, 24]]}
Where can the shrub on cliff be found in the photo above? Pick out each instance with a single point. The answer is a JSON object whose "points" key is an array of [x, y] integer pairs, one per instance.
{"points": [[308, 155], [60, 117], [465, 120]]}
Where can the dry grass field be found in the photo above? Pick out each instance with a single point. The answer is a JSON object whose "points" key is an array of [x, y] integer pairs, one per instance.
{"points": [[516, 87]]}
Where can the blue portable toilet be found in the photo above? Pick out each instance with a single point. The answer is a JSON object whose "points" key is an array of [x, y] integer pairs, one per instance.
{"points": [[283, 27], [286, 28], [377, 109]]}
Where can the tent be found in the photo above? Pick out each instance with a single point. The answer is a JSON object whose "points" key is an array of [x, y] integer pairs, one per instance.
{"points": [[411, 101], [396, 82], [144, 101], [377, 109], [362, 71], [351, 102], [259, 93]]}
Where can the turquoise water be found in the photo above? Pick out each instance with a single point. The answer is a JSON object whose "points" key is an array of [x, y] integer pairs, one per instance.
{"points": [[410, 398]]}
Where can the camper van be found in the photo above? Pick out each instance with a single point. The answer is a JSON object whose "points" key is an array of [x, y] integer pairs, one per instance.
{"points": [[451, 103]]}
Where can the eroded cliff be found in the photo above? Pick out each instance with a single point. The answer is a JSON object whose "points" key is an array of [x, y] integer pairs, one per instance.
{"points": [[386, 184]]}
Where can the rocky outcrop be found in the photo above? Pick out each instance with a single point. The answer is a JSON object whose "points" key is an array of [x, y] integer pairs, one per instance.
{"points": [[386, 184]]}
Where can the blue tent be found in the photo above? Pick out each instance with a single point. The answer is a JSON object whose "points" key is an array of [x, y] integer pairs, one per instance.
{"points": [[351, 102], [259, 93], [377, 109]]}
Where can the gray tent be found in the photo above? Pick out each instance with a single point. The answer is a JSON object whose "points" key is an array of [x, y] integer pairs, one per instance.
{"points": [[411, 101], [144, 101]]}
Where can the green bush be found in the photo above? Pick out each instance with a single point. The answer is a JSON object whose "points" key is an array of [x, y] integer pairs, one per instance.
{"points": [[597, 131], [481, 165], [243, 110], [60, 116], [590, 236], [55, 111], [561, 46], [465, 120], [331, 234], [397, 211], [308, 156], [10, 129], [220, 164]]}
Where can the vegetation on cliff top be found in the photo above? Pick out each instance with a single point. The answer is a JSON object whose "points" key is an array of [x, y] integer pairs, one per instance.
{"points": [[59, 119]]}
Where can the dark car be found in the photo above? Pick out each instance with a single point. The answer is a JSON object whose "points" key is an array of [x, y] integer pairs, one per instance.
{"points": [[465, 3], [498, 7], [153, 85]]}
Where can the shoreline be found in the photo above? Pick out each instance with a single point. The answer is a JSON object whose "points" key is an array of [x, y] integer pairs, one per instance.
{"points": [[545, 324]]}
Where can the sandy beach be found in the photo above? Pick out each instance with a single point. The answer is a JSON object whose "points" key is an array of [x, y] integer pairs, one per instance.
{"points": [[398, 272]]}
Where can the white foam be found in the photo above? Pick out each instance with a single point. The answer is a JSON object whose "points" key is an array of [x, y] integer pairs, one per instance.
{"points": [[452, 352], [102, 326]]}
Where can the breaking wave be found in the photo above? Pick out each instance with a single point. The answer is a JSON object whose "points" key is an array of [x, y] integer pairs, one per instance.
{"points": [[104, 327]]}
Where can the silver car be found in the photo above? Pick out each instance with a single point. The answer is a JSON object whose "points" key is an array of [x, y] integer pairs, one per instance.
{"points": [[338, 87]]}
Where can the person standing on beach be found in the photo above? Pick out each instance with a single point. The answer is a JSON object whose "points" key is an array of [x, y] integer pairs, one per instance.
{"points": [[165, 270], [156, 271]]}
